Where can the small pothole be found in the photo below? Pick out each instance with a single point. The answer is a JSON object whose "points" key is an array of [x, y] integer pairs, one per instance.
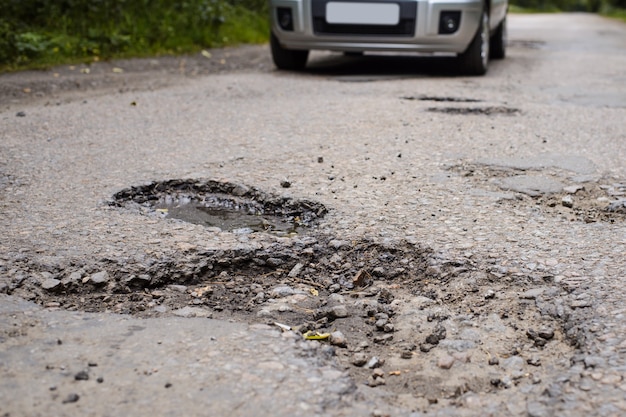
{"points": [[487, 111], [442, 99], [589, 202], [230, 207]]}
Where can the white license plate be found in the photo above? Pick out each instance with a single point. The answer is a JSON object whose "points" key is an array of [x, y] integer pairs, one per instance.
{"points": [[338, 13]]}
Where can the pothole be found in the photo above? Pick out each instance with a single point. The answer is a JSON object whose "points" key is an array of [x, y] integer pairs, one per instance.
{"points": [[602, 201], [397, 315], [487, 111], [528, 44], [441, 99], [227, 206]]}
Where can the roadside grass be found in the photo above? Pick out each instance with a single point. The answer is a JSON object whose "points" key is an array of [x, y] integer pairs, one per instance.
{"points": [[607, 11], [48, 35], [529, 10], [619, 14]]}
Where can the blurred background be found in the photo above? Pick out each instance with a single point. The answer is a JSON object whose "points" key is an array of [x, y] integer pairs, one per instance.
{"points": [[43, 33]]}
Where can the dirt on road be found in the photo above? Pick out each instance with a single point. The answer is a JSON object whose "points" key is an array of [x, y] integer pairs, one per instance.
{"points": [[453, 246]]}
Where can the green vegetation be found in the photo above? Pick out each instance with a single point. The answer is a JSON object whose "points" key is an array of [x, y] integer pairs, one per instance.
{"points": [[551, 6], [615, 13], [41, 33]]}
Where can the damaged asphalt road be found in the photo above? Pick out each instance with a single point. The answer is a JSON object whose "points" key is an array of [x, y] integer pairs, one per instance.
{"points": [[454, 246]]}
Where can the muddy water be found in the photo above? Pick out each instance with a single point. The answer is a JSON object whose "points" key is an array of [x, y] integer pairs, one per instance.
{"points": [[228, 219]]}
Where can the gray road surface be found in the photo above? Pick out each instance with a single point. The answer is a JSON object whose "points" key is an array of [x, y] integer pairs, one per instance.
{"points": [[488, 172]]}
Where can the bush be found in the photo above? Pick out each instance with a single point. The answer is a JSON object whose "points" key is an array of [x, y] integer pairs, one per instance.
{"points": [[44, 30]]}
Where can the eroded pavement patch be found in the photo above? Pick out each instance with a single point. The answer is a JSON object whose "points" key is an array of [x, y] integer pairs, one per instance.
{"points": [[434, 332], [562, 186]]}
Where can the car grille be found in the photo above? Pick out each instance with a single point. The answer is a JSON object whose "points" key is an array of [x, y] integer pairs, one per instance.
{"points": [[405, 27]]}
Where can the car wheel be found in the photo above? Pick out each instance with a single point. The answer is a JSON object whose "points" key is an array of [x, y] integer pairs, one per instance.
{"points": [[475, 59], [497, 46], [287, 59]]}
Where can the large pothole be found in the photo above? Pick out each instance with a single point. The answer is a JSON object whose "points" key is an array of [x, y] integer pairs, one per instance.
{"points": [[427, 328], [227, 206]]}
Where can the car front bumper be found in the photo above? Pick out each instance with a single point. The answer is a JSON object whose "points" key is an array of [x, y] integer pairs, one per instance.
{"points": [[307, 30]]}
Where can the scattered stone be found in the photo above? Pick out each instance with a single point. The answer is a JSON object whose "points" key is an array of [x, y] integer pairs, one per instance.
{"points": [[100, 380], [81, 376], [285, 184], [573, 189], [383, 339], [490, 295], [338, 339], [275, 261], [374, 362], [438, 334], [534, 336], [494, 360], [360, 278], [378, 373], [567, 201], [295, 271], [546, 333], [51, 284], [337, 312], [20, 114], [531, 294], [338, 244], [380, 324], [534, 361], [359, 359], [240, 190], [379, 271], [446, 361], [426, 347], [580, 303], [178, 288], [374, 382], [71, 398], [99, 278], [406, 354], [388, 328], [320, 159], [142, 280], [281, 291]]}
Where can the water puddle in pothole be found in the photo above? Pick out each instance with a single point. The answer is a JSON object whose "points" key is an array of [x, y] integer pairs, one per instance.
{"points": [[231, 207], [229, 219]]}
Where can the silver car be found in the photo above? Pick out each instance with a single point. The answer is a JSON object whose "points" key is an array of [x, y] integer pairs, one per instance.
{"points": [[474, 30]]}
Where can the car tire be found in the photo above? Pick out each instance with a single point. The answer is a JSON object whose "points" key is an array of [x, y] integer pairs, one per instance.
{"points": [[497, 46], [475, 59], [287, 59]]}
